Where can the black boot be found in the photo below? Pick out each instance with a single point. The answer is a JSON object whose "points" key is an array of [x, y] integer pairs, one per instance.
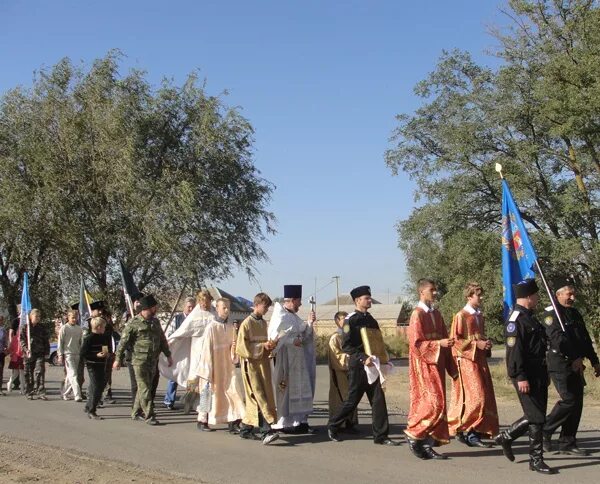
{"points": [[506, 437], [547, 441], [536, 450]]}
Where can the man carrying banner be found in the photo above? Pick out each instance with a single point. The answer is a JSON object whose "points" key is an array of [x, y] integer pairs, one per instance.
{"points": [[525, 336], [567, 350], [526, 365], [35, 345]]}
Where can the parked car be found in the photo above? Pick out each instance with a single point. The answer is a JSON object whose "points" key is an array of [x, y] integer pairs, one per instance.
{"points": [[53, 358]]}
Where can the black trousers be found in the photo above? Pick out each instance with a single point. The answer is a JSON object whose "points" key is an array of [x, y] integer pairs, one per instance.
{"points": [[97, 375], [535, 402], [81, 373], [358, 385], [107, 392], [567, 411]]}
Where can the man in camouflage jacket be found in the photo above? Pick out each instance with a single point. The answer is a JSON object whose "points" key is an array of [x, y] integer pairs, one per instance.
{"points": [[145, 337]]}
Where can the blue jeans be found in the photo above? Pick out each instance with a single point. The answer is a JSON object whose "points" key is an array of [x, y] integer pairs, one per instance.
{"points": [[171, 393]]}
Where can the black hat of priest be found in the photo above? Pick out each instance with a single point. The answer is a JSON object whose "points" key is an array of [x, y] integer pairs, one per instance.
{"points": [[148, 302], [97, 305], [292, 291], [136, 296], [360, 291], [562, 281], [525, 288], [75, 306]]}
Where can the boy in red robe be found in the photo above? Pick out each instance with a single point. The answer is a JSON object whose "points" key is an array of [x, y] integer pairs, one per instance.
{"points": [[429, 358], [473, 404]]}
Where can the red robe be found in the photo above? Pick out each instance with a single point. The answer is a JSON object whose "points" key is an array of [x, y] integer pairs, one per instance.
{"points": [[472, 403], [428, 362]]}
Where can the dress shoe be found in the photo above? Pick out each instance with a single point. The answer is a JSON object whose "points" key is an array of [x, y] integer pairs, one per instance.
{"points": [[479, 443], [462, 439], [416, 447], [94, 416], [203, 426], [574, 450], [432, 454], [389, 442], [333, 435]]}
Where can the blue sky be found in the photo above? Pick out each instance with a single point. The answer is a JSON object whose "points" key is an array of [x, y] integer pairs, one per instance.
{"points": [[320, 81]]}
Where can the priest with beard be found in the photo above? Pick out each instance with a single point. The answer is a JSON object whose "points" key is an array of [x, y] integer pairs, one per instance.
{"points": [[295, 367]]}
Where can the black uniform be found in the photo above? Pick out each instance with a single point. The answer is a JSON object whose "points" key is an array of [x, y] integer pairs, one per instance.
{"points": [[526, 345], [357, 378], [565, 347], [92, 345]]}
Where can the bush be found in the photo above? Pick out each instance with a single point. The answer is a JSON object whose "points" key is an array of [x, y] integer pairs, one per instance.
{"points": [[397, 346], [321, 345]]}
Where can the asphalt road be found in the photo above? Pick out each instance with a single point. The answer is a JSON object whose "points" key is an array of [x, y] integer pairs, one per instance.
{"points": [[177, 447]]}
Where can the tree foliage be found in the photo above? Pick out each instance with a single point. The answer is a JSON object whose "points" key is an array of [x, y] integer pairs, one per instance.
{"points": [[97, 167], [538, 115]]}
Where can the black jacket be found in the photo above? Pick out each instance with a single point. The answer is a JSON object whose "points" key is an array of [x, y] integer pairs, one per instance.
{"points": [[526, 345], [352, 341], [575, 342]]}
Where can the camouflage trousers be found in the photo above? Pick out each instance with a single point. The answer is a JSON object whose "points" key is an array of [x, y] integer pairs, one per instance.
{"points": [[144, 401], [35, 375]]}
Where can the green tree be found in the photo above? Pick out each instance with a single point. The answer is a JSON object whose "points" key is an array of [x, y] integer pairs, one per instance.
{"points": [[537, 115], [106, 167]]}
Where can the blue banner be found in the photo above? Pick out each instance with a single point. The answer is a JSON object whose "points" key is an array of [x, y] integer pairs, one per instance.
{"points": [[518, 254], [25, 302]]}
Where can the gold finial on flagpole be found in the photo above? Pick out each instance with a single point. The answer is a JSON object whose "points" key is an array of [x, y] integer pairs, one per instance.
{"points": [[499, 170]]}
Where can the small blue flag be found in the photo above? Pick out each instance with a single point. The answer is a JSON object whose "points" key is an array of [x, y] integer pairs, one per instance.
{"points": [[25, 302], [518, 254]]}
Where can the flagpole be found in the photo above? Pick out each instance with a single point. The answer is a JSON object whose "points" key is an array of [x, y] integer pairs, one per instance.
{"points": [[540, 272], [175, 307]]}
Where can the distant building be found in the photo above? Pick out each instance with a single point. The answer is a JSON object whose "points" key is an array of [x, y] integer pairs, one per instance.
{"points": [[392, 318], [346, 300]]}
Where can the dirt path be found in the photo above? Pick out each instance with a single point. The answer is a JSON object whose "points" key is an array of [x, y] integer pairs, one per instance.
{"points": [[24, 461]]}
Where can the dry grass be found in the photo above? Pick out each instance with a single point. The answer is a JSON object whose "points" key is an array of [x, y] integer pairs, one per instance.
{"points": [[504, 388]]}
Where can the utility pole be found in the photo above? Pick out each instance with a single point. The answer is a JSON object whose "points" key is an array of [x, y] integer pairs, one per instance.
{"points": [[337, 291]]}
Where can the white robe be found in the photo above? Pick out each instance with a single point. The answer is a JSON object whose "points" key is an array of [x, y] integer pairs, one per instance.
{"points": [[186, 345], [294, 370]]}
